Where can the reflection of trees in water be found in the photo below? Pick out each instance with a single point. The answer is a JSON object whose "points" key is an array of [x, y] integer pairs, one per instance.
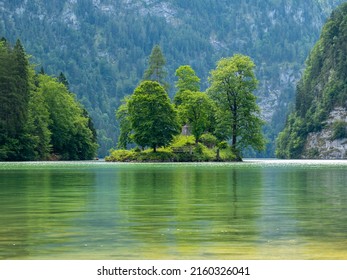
{"points": [[320, 197], [303, 206], [191, 204], [173, 209], [38, 207]]}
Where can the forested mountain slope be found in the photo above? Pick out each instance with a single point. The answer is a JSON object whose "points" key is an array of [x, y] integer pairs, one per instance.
{"points": [[102, 45], [318, 126]]}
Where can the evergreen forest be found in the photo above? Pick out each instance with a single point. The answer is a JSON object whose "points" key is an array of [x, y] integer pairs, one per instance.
{"points": [[40, 119], [102, 48]]}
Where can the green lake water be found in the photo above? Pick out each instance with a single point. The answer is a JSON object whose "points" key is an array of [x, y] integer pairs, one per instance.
{"points": [[261, 209]]}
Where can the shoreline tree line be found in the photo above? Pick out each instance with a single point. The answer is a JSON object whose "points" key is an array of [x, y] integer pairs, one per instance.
{"points": [[40, 119]]}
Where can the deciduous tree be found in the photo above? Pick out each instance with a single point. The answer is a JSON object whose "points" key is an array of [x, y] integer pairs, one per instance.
{"points": [[72, 139], [195, 110], [186, 80], [152, 116], [232, 85]]}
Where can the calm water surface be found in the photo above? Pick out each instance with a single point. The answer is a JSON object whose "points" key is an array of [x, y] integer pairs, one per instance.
{"points": [[252, 210]]}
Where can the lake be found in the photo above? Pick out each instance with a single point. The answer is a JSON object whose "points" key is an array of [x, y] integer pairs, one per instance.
{"points": [[258, 209]]}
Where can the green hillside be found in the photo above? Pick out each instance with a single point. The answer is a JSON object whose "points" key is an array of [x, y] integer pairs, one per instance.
{"points": [[321, 96], [102, 46]]}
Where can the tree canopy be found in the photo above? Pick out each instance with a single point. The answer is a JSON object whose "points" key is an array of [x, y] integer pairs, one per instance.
{"points": [[187, 79], [227, 113], [39, 118], [152, 117], [72, 137], [196, 110], [232, 85], [156, 67], [115, 37]]}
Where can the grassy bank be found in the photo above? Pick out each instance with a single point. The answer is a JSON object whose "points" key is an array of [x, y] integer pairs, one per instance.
{"points": [[183, 149]]}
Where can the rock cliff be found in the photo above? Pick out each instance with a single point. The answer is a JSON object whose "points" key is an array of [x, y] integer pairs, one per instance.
{"points": [[327, 144], [317, 128]]}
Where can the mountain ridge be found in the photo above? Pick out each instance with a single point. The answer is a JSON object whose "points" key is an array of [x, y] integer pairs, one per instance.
{"points": [[102, 46]]}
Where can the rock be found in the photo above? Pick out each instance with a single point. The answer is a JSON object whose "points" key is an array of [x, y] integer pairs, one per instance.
{"points": [[322, 144]]}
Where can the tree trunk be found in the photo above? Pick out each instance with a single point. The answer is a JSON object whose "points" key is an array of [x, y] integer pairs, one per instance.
{"points": [[234, 139], [218, 155]]}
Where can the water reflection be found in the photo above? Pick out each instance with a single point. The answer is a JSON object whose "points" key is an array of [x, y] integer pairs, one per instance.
{"points": [[254, 210], [191, 208], [38, 208]]}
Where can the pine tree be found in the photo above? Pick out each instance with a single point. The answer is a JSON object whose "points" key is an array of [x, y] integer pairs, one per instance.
{"points": [[21, 92], [42, 71], [156, 67], [6, 88], [14, 99], [62, 79]]}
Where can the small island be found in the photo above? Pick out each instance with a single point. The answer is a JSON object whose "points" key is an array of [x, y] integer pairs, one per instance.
{"points": [[183, 149], [216, 125]]}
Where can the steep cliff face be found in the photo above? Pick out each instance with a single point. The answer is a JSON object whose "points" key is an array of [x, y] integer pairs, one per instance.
{"points": [[102, 45], [318, 126], [331, 141]]}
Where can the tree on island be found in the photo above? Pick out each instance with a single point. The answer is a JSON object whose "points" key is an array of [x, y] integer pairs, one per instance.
{"points": [[186, 80], [228, 111], [232, 85], [152, 116], [194, 107], [147, 117], [122, 115], [156, 67], [195, 110]]}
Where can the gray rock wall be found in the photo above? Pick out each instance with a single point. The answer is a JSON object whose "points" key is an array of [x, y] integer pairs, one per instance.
{"points": [[322, 144]]}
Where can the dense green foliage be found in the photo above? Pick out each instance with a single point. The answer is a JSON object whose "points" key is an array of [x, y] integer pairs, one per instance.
{"points": [[196, 110], [232, 85], [39, 118], [14, 99], [228, 113], [187, 79], [72, 137], [102, 46], [322, 87], [152, 117], [182, 149]]}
